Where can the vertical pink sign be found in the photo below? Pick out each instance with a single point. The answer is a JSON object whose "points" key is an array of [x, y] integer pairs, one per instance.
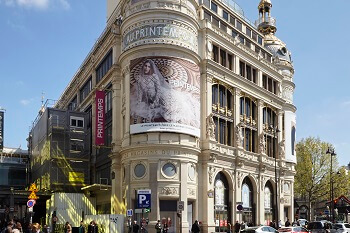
{"points": [[100, 118]]}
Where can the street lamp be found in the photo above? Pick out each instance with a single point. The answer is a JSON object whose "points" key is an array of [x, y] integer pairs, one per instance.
{"points": [[275, 130], [332, 153]]}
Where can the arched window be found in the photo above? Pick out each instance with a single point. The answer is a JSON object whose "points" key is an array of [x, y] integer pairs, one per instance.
{"points": [[222, 208], [248, 119], [222, 107], [268, 202], [248, 214]]}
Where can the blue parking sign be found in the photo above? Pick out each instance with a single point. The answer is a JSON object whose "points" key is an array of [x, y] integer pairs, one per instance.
{"points": [[144, 198]]}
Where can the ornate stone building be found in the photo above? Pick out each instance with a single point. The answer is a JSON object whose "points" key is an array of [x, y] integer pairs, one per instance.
{"points": [[200, 103]]}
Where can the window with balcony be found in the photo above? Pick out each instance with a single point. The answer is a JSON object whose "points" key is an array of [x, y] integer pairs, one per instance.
{"points": [[270, 84], [248, 120], [222, 107], [269, 125]]}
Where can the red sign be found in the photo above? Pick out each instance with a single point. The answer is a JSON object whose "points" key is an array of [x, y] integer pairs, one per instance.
{"points": [[100, 118]]}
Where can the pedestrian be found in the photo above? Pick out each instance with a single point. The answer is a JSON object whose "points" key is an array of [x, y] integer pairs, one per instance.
{"points": [[237, 227], [287, 223], [36, 228], [81, 227], [242, 225], [67, 228], [158, 227], [135, 227], [165, 228], [229, 227], [279, 224], [94, 227], [195, 227], [19, 227]]}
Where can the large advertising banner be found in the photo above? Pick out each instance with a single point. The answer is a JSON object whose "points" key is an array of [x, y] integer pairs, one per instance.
{"points": [[1, 130], [164, 95], [100, 118]]}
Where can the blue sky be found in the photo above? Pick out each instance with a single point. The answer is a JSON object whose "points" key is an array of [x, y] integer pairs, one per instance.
{"points": [[43, 43]]}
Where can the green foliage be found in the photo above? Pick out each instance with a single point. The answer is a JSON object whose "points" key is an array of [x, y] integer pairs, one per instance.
{"points": [[313, 169]]}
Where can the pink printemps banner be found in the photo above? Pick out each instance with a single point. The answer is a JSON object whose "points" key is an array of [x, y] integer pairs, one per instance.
{"points": [[100, 118]]}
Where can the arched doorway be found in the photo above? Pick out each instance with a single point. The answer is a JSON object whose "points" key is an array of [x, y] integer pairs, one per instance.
{"points": [[249, 207], [222, 210], [268, 203]]}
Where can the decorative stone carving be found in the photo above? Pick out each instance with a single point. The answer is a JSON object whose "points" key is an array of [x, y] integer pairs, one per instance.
{"points": [[287, 93], [282, 151], [262, 144], [260, 55], [239, 136], [240, 176], [210, 127], [211, 172], [168, 191], [191, 192], [236, 41], [213, 158]]}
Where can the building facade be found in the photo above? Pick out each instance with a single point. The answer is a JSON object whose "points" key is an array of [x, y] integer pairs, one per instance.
{"points": [[199, 103]]}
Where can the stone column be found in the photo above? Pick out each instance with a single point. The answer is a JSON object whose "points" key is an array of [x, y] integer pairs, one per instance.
{"points": [[126, 106], [154, 215], [183, 195], [260, 78], [116, 113], [238, 182], [261, 198], [237, 65], [117, 201]]}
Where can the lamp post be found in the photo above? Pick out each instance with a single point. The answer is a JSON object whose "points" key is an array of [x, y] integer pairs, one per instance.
{"points": [[332, 153], [275, 130]]}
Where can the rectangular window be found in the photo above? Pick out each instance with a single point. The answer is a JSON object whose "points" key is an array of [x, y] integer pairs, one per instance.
{"points": [[260, 40], [222, 57], [242, 39], [254, 75], [215, 94], [249, 72], [214, 7], [223, 26], [108, 102], [104, 66], [264, 81], [234, 33], [239, 25], [225, 15], [73, 104], [207, 16], [215, 21], [254, 36], [222, 131], [248, 32], [215, 53], [86, 89], [77, 122], [232, 20], [248, 44], [242, 69], [230, 61]]}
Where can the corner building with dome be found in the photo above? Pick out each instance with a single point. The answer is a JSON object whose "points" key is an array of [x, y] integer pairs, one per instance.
{"points": [[199, 103]]}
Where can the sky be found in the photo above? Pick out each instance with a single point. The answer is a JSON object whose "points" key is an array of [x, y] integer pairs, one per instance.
{"points": [[43, 43]]}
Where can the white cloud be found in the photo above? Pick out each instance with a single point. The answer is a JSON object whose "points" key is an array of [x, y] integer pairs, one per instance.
{"points": [[26, 102], [36, 4]]}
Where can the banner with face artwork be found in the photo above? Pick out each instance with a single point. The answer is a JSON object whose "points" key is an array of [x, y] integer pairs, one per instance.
{"points": [[164, 95]]}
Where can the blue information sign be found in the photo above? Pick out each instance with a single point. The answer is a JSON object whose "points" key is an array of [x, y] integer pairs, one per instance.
{"points": [[144, 198]]}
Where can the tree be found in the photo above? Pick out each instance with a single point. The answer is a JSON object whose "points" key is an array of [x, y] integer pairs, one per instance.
{"points": [[313, 170]]}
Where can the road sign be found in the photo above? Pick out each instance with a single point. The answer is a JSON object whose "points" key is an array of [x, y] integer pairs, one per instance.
{"points": [[33, 188], [239, 207], [30, 210], [31, 203], [326, 212], [33, 196], [129, 213], [147, 210], [144, 198], [180, 205]]}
